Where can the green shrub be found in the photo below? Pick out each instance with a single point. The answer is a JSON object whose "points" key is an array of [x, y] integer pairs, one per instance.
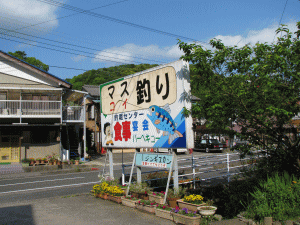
{"points": [[277, 197]]}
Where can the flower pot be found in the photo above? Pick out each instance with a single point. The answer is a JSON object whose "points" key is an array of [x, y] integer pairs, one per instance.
{"points": [[50, 163], [104, 196], [147, 208], [143, 196], [134, 194], [172, 202], [116, 199], [31, 163], [98, 195], [38, 161], [54, 162], [58, 163], [207, 210], [76, 162], [42, 161], [189, 206], [158, 199], [129, 202], [178, 218], [163, 214]]}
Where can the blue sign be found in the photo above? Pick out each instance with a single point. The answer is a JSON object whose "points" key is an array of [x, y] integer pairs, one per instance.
{"points": [[153, 160]]}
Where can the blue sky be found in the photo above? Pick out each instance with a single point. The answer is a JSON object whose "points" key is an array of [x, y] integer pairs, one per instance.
{"points": [[37, 27]]}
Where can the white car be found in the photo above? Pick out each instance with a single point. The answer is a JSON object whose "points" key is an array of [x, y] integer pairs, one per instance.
{"points": [[168, 150]]}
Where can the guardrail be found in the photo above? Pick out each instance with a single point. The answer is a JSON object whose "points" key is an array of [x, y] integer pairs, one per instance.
{"points": [[195, 166]]}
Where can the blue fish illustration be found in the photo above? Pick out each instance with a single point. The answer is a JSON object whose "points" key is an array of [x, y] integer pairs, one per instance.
{"points": [[162, 120]]}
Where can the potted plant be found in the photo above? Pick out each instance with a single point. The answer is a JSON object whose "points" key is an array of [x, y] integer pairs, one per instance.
{"points": [[31, 161], [158, 197], [208, 209], [96, 190], [43, 160], [65, 162], [164, 211], [72, 161], [146, 205], [38, 160], [115, 194], [130, 201], [174, 195], [140, 190], [104, 190], [77, 161], [184, 216], [191, 202]]}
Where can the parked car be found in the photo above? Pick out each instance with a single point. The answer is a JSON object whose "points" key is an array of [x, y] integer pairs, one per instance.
{"points": [[168, 150], [209, 145]]}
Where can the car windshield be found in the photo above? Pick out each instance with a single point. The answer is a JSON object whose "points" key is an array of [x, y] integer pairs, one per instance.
{"points": [[214, 141]]}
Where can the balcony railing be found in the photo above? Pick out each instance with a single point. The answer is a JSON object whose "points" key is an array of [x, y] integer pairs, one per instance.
{"points": [[29, 108], [73, 114]]}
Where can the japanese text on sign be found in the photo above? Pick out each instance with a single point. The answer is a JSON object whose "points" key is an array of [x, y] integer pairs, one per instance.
{"points": [[140, 92], [153, 160]]}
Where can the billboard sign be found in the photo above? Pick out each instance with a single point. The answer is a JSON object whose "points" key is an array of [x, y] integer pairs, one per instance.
{"points": [[144, 110], [153, 160]]}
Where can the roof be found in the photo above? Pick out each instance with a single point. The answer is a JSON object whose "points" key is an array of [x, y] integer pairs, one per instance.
{"points": [[35, 69], [93, 90]]}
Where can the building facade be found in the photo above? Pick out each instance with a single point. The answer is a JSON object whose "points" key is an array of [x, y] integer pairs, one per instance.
{"points": [[35, 109]]}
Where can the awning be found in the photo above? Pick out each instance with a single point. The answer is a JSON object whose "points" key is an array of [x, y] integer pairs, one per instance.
{"points": [[74, 95]]}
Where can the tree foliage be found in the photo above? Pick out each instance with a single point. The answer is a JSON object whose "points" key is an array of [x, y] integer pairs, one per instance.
{"points": [[103, 75], [31, 60], [256, 87]]}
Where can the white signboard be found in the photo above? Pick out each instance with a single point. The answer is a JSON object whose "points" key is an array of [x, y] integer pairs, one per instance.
{"points": [[144, 110]]}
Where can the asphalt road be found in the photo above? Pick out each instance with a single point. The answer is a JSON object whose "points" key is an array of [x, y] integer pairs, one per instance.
{"points": [[46, 186]]}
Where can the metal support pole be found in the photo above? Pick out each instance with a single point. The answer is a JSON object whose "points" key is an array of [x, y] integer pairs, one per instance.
{"points": [[131, 172], [175, 169], [138, 171], [169, 178], [194, 171], [123, 170], [111, 163], [84, 128], [228, 167]]}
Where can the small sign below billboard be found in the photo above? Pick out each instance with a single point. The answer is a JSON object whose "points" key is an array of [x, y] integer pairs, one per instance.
{"points": [[145, 110], [153, 160]]}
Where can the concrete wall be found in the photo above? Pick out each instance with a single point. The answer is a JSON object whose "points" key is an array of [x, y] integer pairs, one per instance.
{"points": [[39, 150]]}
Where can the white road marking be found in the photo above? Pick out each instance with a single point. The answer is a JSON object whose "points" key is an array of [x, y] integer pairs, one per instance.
{"points": [[41, 181], [48, 187]]}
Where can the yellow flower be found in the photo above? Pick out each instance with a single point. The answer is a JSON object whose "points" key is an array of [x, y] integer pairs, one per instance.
{"points": [[295, 182]]}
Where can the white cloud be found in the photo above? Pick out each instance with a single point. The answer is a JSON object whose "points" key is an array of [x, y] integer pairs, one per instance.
{"points": [[78, 58], [254, 36], [127, 53], [131, 53], [16, 14]]}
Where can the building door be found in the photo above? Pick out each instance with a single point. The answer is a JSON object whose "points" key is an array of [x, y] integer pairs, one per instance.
{"points": [[10, 148]]}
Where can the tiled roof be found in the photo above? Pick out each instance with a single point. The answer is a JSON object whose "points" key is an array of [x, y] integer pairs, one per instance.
{"points": [[93, 90]]}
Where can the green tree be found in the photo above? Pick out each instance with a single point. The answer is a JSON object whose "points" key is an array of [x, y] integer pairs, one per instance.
{"points": [[255, 86], [103, 75], [31, 60]]}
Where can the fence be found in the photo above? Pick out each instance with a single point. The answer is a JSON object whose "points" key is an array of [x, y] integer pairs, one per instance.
{"points": [[215, 166]]}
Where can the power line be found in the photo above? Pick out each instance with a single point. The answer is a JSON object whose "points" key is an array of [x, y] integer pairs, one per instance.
{"points": [[69, 7], [95, 56], [281, 19], [59, 50], [63, 17], [65, 43]]}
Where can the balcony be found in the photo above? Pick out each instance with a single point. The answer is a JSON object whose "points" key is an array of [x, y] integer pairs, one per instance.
{"points": [[73, 114], [30, 109]]}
